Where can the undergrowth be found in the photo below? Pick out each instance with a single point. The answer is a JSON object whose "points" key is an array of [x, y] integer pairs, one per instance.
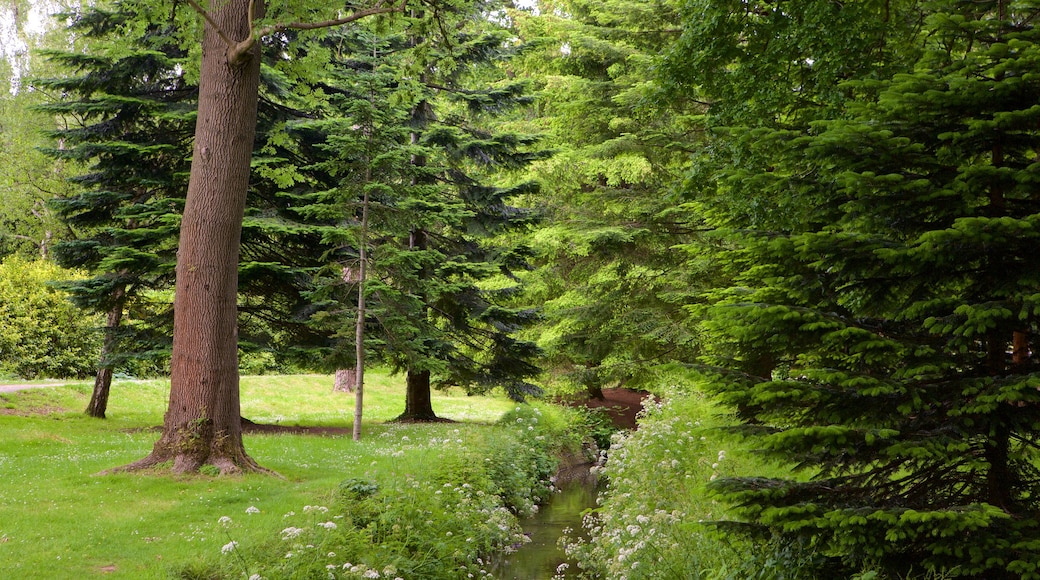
{"points": [[443, 508]]}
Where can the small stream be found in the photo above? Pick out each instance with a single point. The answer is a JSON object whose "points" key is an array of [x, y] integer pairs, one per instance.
{"points": [[540, 558]]}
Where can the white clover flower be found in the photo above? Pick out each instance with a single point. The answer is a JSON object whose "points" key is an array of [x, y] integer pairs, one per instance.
{"points": [[252, 510], [224, 521], [229, 547]]}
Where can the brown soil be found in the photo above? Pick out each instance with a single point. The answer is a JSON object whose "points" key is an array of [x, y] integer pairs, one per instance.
{"points": [[622, 405]]}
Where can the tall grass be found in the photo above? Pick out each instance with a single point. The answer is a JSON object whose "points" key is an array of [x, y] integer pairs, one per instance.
{"points": [[59, 519]]}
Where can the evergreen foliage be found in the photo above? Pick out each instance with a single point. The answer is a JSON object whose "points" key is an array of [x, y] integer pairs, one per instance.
{"points": [[441, 275], [882, 344], [613, 288]]}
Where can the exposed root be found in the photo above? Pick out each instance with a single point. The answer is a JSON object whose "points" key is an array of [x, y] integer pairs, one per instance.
{"points": [[188, 464]]}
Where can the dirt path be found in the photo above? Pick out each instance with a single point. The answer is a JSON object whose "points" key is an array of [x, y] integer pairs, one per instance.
{"points": [[21, 387], [622, 405]]}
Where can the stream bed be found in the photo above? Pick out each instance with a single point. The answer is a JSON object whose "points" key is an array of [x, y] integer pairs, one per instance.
{"points": [[540, 558]]}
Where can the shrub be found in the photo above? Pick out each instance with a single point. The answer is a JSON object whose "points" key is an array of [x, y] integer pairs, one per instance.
{"points": [[649, 523], [42, 334], [438, 508]]}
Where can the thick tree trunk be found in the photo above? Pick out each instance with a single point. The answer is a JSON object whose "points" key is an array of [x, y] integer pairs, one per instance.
{"points": [[203, 423], [103, 381], [345, 381], [418, 403]]}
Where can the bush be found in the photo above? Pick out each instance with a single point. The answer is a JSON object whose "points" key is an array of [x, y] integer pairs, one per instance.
{"points": [[650, 520], [441, 507], [42, 334]]}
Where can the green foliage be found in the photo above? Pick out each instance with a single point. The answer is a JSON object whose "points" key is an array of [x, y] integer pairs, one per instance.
{"points": [[652, 514], [440, 509], [612, 288], [43, 333], [425, 162], [880, 330]]}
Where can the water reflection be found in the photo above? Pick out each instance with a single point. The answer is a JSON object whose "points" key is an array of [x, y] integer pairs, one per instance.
{"points": [[539, 559]]}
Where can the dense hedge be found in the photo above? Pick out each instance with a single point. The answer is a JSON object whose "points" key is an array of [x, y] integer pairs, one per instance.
{"points": [[42, 334]]}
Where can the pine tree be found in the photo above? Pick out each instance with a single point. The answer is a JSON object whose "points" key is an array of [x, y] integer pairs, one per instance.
{"points": [[130, 123], [613, 286], [883, 344], [422, 162], [130, 114]]}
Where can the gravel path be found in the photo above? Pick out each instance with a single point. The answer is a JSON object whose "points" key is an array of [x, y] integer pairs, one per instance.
{"points": [[13, 388]]}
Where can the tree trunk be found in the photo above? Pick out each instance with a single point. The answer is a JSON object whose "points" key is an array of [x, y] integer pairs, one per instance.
{"points": [[418, 403], [346, 380], [103, 381], [203, 423]]}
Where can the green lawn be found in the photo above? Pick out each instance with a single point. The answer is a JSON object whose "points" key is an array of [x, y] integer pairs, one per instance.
{"points": [[59, 519]]}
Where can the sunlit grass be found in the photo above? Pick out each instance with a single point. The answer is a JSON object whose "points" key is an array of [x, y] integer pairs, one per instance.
{"points": [[59, 519]]}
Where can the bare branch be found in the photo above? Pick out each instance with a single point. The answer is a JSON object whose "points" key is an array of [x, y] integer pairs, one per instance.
{"points": [[202, 12]]}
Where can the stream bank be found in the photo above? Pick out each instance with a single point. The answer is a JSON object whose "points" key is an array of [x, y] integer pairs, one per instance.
{"points": [[542, 557]]}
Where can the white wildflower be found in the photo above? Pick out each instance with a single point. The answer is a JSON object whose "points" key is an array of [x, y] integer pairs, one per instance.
{"points": [[328, 525], [229, 547], [224, 521], [252, 510]]}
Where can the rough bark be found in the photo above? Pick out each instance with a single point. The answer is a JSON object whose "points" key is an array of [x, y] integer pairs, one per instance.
{"points": [[345, 381], [203, 422], [98, 405], [418, 402]]}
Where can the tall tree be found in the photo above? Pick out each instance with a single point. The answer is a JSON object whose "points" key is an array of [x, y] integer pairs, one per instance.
{"points": [[432, 220], [202, 424], [613, 288], [899, 314], [127, 116]]}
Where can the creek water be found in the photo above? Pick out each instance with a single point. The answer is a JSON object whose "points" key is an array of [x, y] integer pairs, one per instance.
{"points": [[540, 558]]}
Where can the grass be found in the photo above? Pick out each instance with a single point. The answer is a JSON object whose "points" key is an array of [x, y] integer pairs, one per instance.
{"points": [[58, 519]]}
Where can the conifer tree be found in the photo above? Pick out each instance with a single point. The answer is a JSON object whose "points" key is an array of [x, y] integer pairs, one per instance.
{"points": [[612, 285], [129, 111], [883, 343], [130, 124], [432, 220]]}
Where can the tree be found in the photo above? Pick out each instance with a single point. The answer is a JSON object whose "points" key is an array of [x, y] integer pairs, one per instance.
{"points": [[202, 424], [431, 221], [899, 315], [127, 118], [615, 292]]}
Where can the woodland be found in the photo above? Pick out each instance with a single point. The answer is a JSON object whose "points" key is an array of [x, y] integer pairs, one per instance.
{"points": [[816, 219]]}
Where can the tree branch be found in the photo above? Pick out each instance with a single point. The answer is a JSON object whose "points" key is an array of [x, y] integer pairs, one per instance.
{"points": [[202, 12], [237, 51]]}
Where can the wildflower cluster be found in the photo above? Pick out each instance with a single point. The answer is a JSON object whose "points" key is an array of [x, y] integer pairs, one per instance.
{"points": [[437, 503], [650, 527]]}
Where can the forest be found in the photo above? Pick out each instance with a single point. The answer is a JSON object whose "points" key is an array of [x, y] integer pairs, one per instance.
{"points": [[805, 230]]}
